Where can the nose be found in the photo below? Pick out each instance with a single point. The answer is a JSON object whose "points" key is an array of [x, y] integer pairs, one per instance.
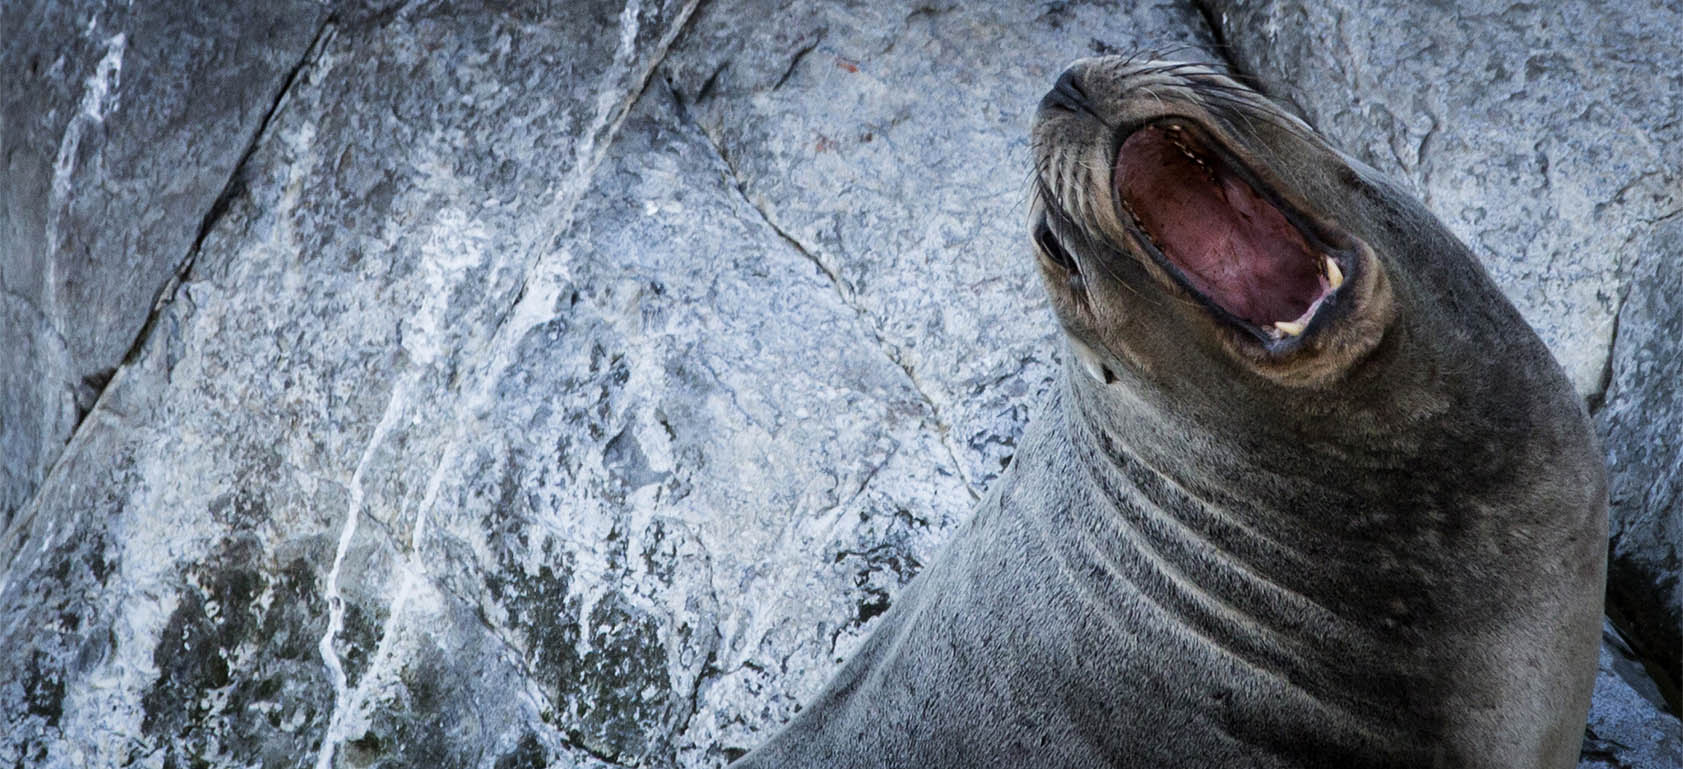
{"points": [[1066, 95]]}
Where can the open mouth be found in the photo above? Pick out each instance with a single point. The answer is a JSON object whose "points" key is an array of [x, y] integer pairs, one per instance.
{"points": [[1206, 219]]}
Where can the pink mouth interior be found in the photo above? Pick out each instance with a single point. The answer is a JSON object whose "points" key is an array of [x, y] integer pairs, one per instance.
{"points": [[1231, 243]]}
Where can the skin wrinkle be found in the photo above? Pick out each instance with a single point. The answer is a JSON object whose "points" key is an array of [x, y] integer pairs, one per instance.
{"points": [[1160, 566], [1329, 626], [1100, 471], [1116, 458], [1082, 580]]}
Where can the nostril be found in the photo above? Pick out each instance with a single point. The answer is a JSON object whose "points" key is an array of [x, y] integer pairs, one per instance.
{"points": [[1066, 94], [1069, 84]]}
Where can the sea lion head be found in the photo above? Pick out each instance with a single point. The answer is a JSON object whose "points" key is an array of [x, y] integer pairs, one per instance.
{"points": [[1190, 229]]}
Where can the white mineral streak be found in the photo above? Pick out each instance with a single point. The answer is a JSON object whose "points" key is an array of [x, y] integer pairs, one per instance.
{"points": [[454, 246], [415, 603], [98, 99], [444, 266], [99, 85], [335, 604], [460, 245], [96, 90], [547, 276]]}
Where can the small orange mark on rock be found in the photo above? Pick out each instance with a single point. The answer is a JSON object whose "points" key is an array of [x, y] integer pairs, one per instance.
{"points": [[847, 64]]}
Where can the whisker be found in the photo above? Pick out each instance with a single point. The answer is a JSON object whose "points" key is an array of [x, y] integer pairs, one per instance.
{"points": [[1247, 109]]}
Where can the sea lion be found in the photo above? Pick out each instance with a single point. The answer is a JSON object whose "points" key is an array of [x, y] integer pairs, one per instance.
{"points": [[1310, 494]]}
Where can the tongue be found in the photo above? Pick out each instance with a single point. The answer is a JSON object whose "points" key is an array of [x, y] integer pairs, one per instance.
{"points": [[1229, 242]]}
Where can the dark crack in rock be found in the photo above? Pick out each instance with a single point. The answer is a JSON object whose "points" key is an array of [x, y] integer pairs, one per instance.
{"points": [[124, 125]]}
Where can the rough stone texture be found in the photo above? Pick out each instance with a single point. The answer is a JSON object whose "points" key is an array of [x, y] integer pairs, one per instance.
{"points": [[121, 129], [1642, 426], [1546, 136], [907, 115], [559, 386], [228, 565], [1627, 726]]}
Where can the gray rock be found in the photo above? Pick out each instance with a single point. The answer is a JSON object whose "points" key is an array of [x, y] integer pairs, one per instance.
{"points": [[559, 387], [122, 128], [1641, 424], [890, 142], [225, 566], [1628, 728], [1545, 135]]}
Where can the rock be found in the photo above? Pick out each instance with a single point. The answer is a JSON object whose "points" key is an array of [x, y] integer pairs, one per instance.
{"points": [[557, 387], [1641, 424], [123, 128], [1628, 728], [1540, 134], [906, 112], [225, 566]]}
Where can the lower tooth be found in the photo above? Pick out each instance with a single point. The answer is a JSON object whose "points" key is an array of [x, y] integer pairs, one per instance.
{"points": [[1288, 328]]}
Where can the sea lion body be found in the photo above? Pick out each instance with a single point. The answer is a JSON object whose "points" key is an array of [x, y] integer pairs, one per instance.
{"points": [[1372, 536]]}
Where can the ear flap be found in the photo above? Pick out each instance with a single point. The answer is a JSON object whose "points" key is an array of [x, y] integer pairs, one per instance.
{"points": [[1090, 362]]}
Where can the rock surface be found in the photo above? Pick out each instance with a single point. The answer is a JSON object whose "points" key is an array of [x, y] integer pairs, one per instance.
{"points": [[561, 386], [1545, 136], [123, 127], [1641, 423], [1627, 724]]}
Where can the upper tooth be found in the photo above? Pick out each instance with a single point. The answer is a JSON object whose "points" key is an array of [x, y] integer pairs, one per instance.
{"points": [[1288, 327], [1335, 276]]}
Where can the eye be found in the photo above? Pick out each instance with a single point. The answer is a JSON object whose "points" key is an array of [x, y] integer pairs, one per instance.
{"points": [[1054, 251]]}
